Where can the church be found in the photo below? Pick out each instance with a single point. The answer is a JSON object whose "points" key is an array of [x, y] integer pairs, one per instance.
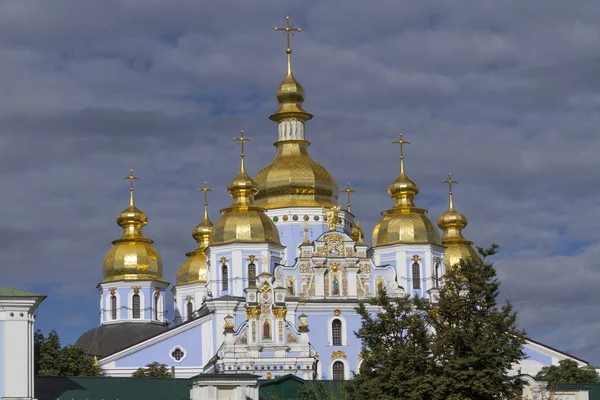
{"points": [[272, 285]]}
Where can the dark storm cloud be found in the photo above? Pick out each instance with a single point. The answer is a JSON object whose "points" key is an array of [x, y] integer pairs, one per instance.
{"points": [[504, 95]]}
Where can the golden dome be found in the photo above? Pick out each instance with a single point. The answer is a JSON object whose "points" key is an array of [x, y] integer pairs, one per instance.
{"points": [[194, 269], [404, 222], [132, 256], [243, 221], [452, 223], [293, 179]]}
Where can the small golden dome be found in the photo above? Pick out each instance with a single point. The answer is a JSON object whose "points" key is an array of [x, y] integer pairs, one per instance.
{"points": [[294, 179], [243, 221], [452, 223], [132, 256], [194, 269], [404, 222]]}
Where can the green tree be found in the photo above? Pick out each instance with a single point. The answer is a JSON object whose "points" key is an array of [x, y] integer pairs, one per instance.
{"points": [[476, 343], [333, 390], [52, 360], [567, 371], [463, 347], [396, 351], [153, 370]]}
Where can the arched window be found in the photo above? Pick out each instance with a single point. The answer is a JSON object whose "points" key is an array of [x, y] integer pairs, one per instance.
{"points": [[136, 305], [436, 275], [190, 309], [338, 371], [224, 277], [336, 332], [156, 299], [416, 276], [113, 306], [251, 274]]}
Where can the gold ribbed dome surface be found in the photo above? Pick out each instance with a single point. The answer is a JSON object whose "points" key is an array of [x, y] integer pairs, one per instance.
{"points": [[243, 221], [404, 222], [452, 223], [195, 268], [294, 179], [132, 256]]}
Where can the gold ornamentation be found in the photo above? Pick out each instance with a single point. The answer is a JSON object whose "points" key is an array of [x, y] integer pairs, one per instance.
{"points": [[416, 258], [265, 287], [269, 375], [338, 354], [335, 266], [223, 260], [279, 312], [157, 291], [332, 216], [437, 259], [188, 298], [228, 325], [336, 312], [348, 191], [136, 289], [303, 324], [253, 312], [251, 258], [112, 290]]}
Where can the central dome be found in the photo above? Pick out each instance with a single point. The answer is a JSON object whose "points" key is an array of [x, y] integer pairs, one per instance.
{"points": [[294, 179]]}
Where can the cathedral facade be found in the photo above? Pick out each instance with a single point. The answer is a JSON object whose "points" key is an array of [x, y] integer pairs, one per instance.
{"points": [[272, 286]]}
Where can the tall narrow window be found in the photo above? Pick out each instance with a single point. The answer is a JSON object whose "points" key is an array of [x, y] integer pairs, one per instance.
{"points": [[336, 332], [190, 309], [113, 306], [436, 275], [338, 371], [416, 276], [156, 300], [224, 277], [251, 274], [136, 305]]}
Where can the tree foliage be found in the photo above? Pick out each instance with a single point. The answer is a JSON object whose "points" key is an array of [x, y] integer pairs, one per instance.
{"points": [[153, 370], [53, 360], [463, 347], [567, 371]]}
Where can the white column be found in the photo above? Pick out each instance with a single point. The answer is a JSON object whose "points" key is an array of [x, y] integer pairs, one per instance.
{"points": [[319, 284], [352, 271], [291, 129]]}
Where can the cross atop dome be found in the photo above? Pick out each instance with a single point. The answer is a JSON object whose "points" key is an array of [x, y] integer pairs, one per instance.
{"points": [[131, 178]]}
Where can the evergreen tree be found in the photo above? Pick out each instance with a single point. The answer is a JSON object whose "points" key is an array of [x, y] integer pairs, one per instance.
{"points": [[567, 371], [153, 370], [476, 343], [395, 350], [52, 360]]}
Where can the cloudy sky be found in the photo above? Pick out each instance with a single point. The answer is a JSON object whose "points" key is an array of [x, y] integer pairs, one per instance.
{"points": [[503, 94]]}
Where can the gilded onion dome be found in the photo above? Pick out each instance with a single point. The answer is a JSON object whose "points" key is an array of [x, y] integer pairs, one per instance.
{"points": [[194, 268], [132, 256], [293, 179], [452, 223], [404, 222], [243, 221]]}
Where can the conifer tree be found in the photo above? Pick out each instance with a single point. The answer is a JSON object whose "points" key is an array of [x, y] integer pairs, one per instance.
{"points": [[567, 371]]}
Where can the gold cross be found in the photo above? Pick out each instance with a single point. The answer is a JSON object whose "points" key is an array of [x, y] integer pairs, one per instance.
{"points": [[131, 178], [205, 189], [242, 139], [401, 142], [348, 190], [450, 182], [288, 30]]}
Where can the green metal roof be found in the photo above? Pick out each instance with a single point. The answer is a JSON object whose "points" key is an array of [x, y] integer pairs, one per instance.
{"points": [[593, 388], [110, 388], [8, 292]]}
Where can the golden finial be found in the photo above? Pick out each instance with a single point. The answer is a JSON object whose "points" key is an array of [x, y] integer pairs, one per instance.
{"points": [[289, 31], [131, 178], [205, 189], [450, 182], [348, 191], [242, 139], [401, 142]]}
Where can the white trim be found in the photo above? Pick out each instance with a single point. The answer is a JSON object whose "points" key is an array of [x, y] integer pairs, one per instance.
{"points": [[180, 372], [130, 305], [153, 340], [358, 364], [346, 367], [159, 309], [110, 308], [184, 351], [330, 331]]}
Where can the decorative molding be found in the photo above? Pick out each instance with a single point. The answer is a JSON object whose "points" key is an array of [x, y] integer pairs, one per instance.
{"points": [[251, 258], [338, 354], [157, 291], [336, 312], [279, 312], [136, 289], [112, 290], [416, 258], [223, 260], [253, 312], [188, 298]]}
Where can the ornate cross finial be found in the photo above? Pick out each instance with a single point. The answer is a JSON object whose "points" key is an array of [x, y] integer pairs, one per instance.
{"points": [[242, 139], [288, 30], [205, 189], [450, 182], [131, 178], [348, 191], [401, 142]]}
